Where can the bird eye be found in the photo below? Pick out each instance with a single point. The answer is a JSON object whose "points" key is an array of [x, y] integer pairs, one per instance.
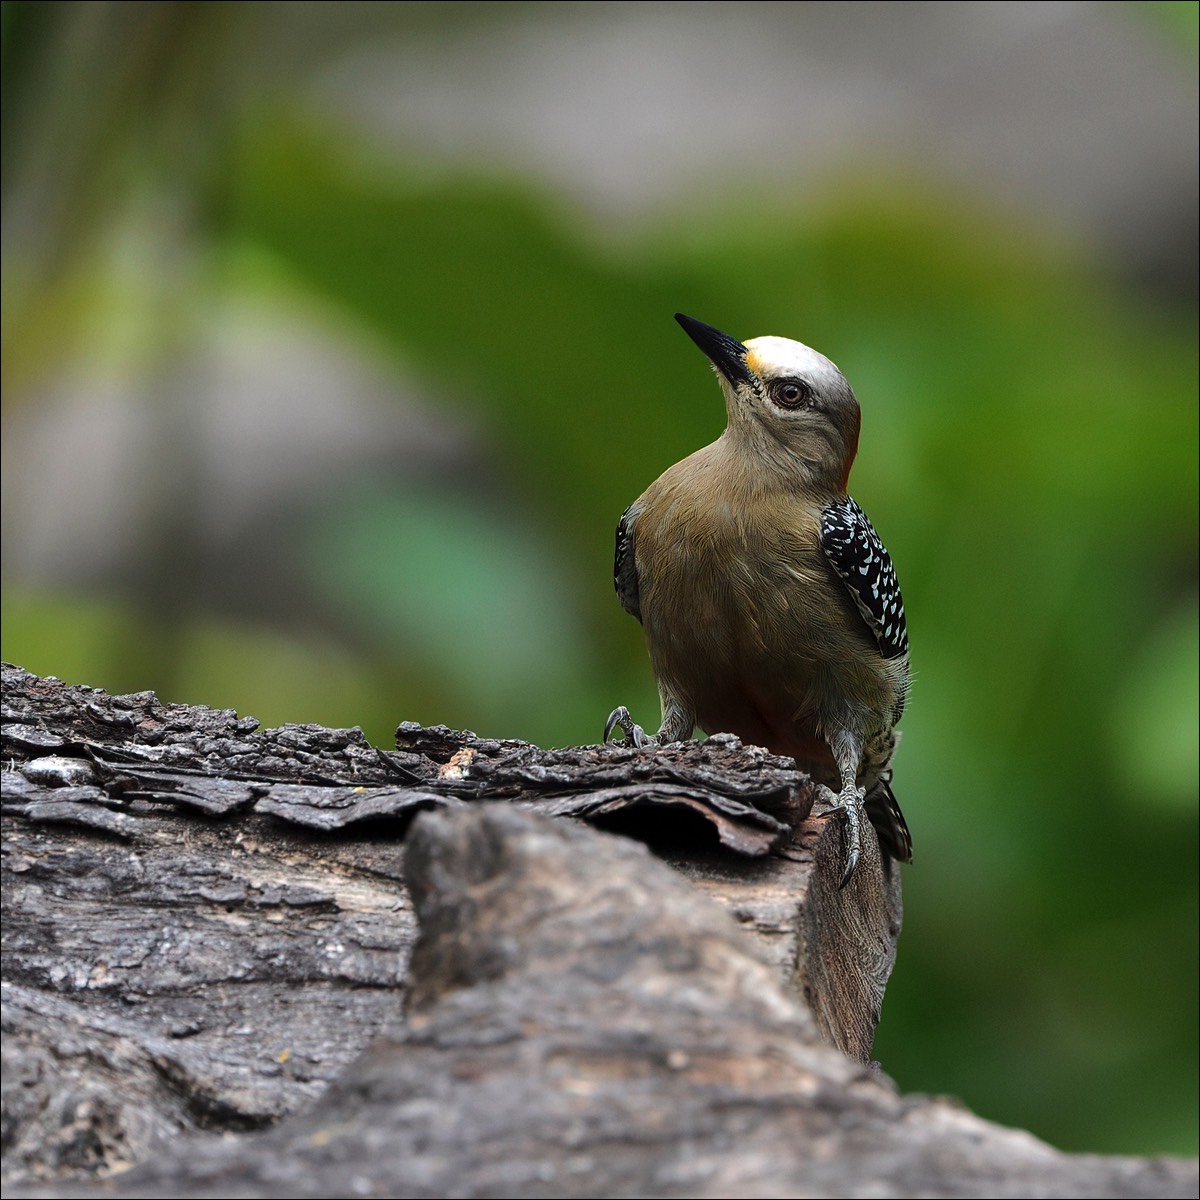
{"points": [[792, 393]]}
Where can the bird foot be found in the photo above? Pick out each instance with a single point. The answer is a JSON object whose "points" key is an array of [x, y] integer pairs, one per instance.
{"points": [[634, 735], [848, 805]]}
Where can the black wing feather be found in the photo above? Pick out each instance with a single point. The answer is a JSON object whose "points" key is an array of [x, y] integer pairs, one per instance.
{"points": [[625, 565], [855, 552]]}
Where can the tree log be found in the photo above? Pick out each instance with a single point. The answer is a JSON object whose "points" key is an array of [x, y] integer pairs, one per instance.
{"points": [[214, 983]]}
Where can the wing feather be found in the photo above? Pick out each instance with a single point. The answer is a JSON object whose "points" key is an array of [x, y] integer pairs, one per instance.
{"points": [[855, 552], [625, 564]]}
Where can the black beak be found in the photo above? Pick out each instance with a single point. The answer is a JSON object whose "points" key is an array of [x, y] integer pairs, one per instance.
{"points": [[727, 354]]}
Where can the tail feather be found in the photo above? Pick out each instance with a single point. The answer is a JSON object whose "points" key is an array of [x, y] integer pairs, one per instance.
{"points": [[884, 813]]}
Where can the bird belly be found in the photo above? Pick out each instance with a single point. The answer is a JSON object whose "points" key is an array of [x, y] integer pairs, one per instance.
{"points": [[768, 649]]}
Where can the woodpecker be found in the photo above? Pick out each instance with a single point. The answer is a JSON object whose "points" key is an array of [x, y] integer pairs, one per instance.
{"points": [[771, 608]]}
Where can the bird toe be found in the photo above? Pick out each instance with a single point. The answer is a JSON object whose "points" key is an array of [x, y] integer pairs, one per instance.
{"points": [[631, 733]]}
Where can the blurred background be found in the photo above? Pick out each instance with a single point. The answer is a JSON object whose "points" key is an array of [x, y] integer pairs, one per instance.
{"points": [[336, 337]]}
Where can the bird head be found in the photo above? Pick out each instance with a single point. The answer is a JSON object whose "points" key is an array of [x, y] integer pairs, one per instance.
{"points": [[789, 404]]}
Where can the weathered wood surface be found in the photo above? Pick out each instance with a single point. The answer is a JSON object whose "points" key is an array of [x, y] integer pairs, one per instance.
{"points": [[210, 974]]}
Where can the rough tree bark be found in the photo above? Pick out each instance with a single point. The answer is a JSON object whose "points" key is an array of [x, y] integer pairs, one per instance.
{"points": [[234, 965]]}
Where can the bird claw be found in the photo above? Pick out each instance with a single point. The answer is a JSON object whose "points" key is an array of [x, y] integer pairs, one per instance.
{"points": [[850, 807], [634, 735], [851, 866]]}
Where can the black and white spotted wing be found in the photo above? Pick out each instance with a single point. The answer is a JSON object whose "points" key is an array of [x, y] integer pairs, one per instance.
{"points": [[855, 552], [624, 565]]}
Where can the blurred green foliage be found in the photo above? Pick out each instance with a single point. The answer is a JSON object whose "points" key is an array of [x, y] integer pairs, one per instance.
{"points": [[1029, 455]]}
